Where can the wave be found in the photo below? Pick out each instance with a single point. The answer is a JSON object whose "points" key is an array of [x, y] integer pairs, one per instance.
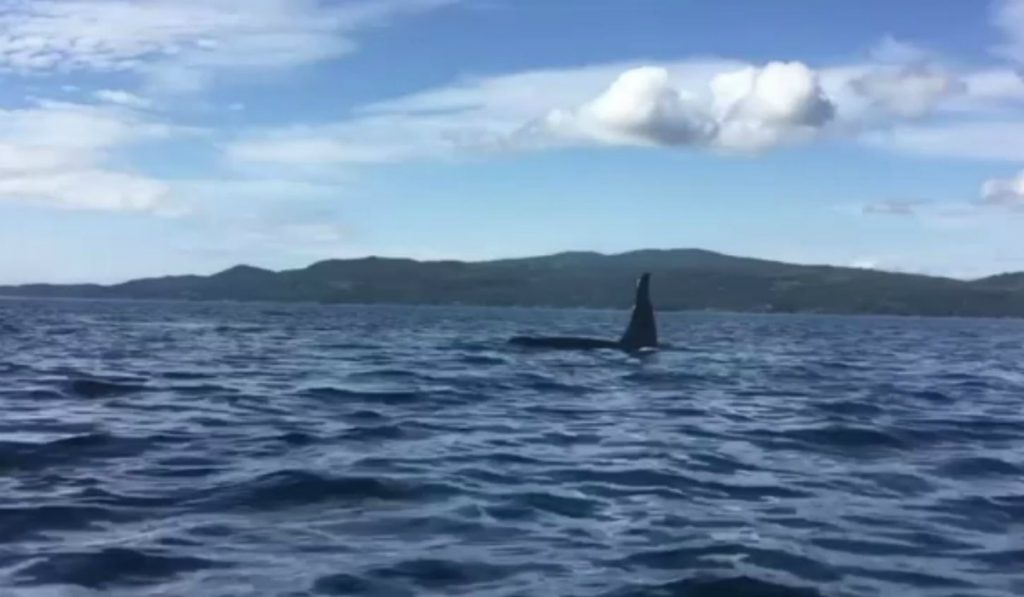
{"points": [[835, 436], [295, 488], [103, 388], [99, 495], [915, 578], [439, 574], [344, 584], [380, 433], [742, 586], [856, 408], [203, 389], [69, 450], [185, 375], [384, 397], [111, 567], [976, 467], [809, 569], [25, 522], [552, 503], [297, 438]]}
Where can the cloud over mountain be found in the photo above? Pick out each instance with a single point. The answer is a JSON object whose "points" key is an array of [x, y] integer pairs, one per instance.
{"points": [[1004, 192]]}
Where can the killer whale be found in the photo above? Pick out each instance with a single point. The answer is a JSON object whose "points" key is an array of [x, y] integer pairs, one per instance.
{"points": [[640, 334]]}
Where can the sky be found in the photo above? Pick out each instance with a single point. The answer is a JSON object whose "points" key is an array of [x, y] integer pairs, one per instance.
{"points": [[156, 137]]}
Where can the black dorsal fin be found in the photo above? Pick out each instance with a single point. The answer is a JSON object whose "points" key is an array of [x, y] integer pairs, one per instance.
{"points": [[642, 331]]}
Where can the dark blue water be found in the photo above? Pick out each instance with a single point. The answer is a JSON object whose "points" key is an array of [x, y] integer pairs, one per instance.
{"points": [[234, 450]]}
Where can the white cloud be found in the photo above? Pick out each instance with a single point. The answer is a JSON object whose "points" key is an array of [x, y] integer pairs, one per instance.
{"points": [[907, 91], [980, 109], [86, 189], [997, 196], [640, 107], [618, 103], [1009, 18], [704, 103], [989, 92], [178, 44], [301, 148], [371, 139], [78, 126], [1004, 192], [865, 263], [947, 216], [758, 108], [18, 158], [122, 98], [896, 51], [746, 109], [996, 84], [986, 140], [526, 95], [55, 153], [892, 208]]}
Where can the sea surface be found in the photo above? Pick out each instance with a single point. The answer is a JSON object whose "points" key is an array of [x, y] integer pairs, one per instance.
{"points": [[175, 449]]}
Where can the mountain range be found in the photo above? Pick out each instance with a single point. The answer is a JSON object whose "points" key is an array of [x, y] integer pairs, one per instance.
{"points": [[683, 279]]}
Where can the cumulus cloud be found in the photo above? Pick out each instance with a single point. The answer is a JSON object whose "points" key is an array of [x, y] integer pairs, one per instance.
{"points": [[640, 107], [782, 93], [1004, 192], [56, 153], [747, 110], [759, 108]]}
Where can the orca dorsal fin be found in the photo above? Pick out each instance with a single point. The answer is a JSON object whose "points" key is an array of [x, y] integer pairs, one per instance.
{"points": [[642, 331]]}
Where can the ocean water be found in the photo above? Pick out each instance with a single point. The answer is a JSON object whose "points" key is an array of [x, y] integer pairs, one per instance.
{"points": [[233, 450]]}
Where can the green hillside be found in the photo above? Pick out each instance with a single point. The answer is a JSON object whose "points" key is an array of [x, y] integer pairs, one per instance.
{"points": [[683, 279]]}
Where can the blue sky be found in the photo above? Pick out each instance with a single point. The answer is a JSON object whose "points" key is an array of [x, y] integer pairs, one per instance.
{"points": [[150, 137]]}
